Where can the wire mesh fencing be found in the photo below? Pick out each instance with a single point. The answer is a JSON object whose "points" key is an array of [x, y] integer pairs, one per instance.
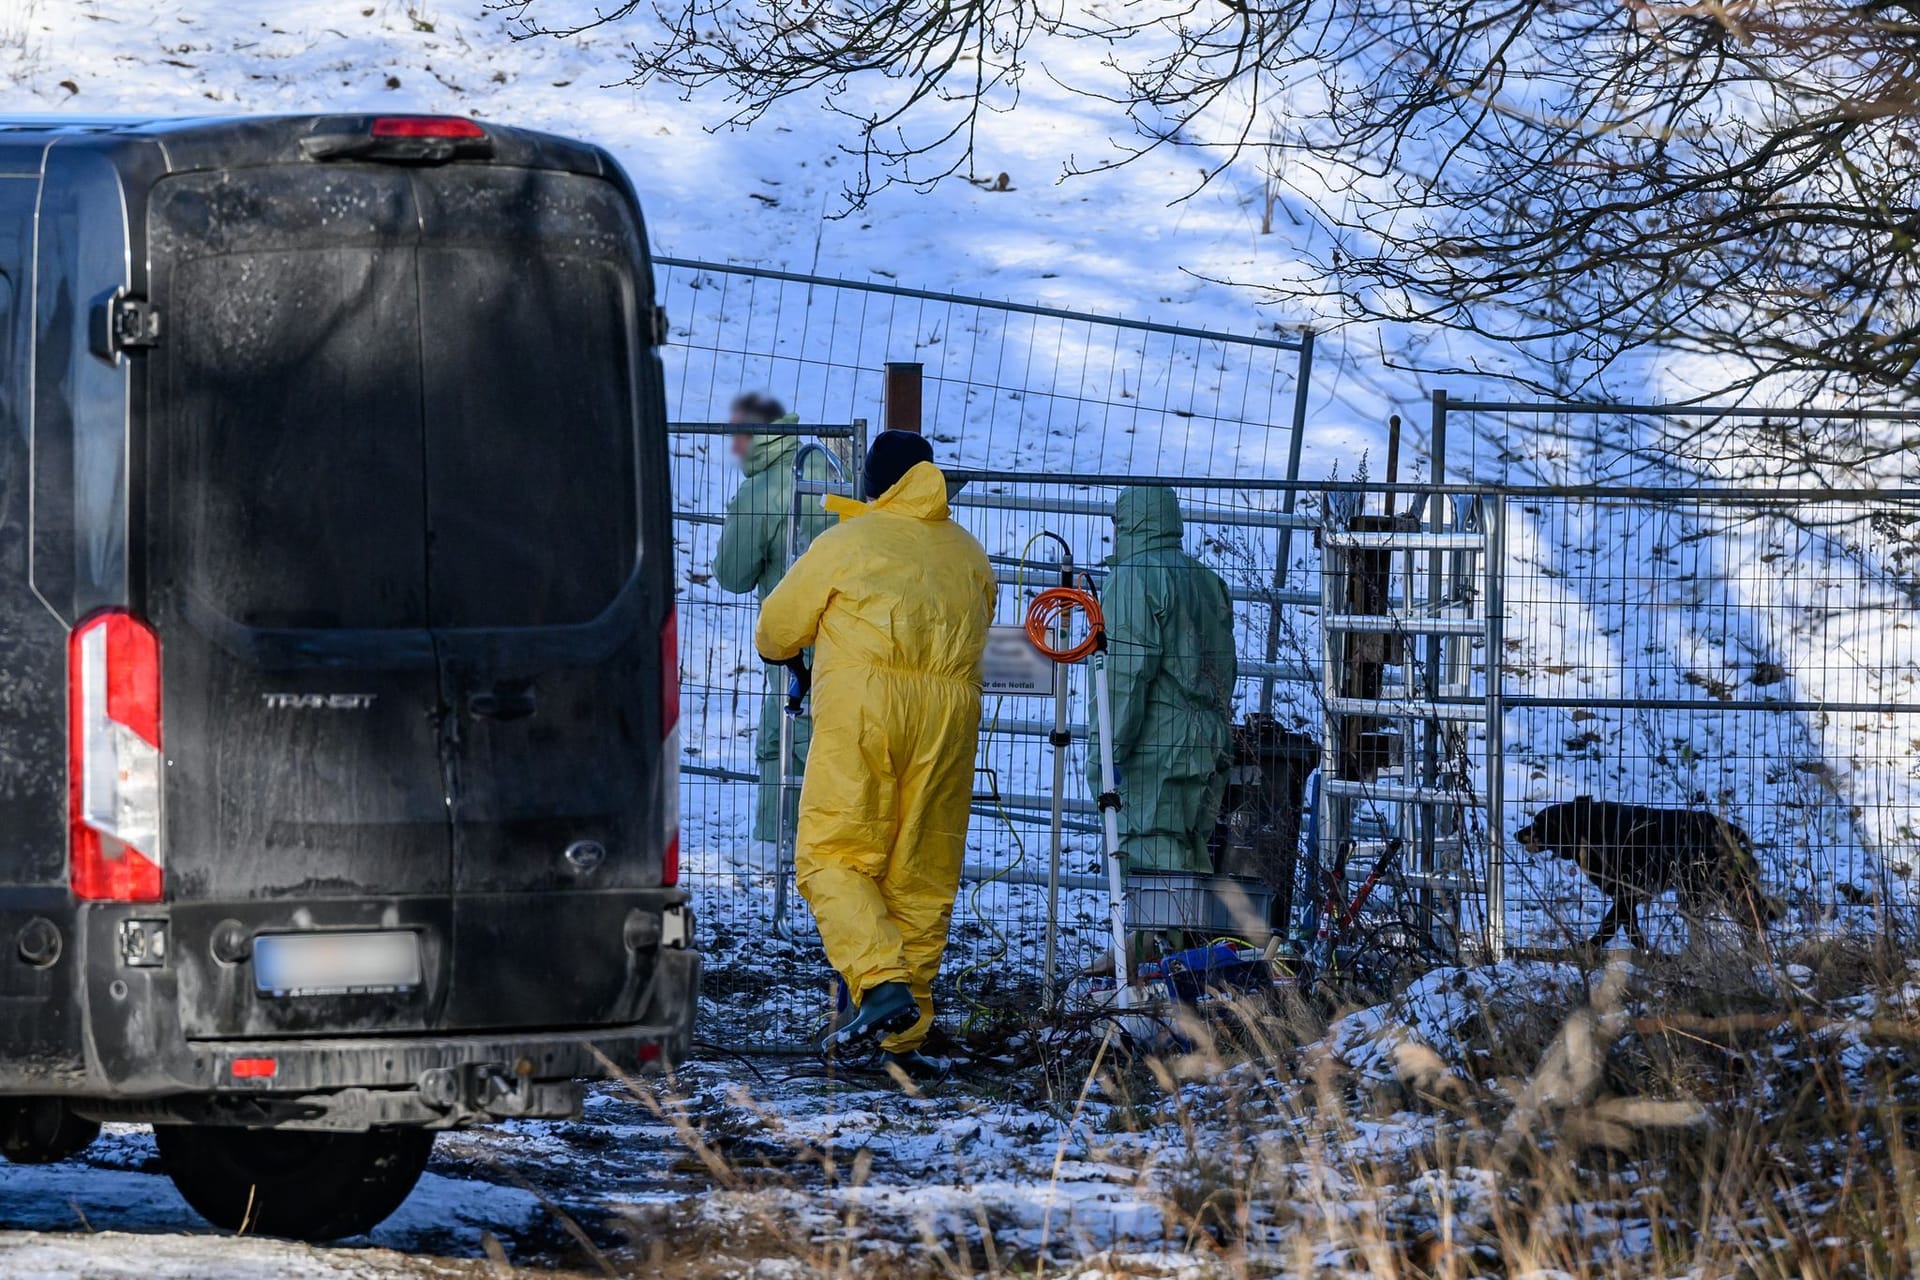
{"points": [[1543, 630], [1689, 653], [1749, 655], [1005, 387], [1675, 447], [1032, 910], [1708, 612], [1009, 386]]}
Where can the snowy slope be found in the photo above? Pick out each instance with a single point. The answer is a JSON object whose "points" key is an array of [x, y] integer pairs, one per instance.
{"points": [[1118, 244], [1125, 242]]}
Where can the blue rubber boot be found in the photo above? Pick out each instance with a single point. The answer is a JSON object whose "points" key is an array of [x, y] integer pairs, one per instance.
{"points": [[887, 1009]]}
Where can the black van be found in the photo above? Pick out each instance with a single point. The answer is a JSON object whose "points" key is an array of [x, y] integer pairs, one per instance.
{"points": [[338, 693]]}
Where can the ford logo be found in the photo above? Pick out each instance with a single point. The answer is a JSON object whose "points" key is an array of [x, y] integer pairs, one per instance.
{"points": [[584, 855]]}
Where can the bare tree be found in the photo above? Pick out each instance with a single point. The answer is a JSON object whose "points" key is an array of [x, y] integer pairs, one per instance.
{"points": [[1579, 177], [941, 66]]}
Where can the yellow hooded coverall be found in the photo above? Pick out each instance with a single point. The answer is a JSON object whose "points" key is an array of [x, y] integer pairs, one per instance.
{"points": [[895, 602]]}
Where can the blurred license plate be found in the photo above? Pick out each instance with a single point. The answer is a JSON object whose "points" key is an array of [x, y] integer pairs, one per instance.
{"points": [[334, 964]]}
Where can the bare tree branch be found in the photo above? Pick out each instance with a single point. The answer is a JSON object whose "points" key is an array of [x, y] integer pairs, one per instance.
{"points": [[1579, 181]]}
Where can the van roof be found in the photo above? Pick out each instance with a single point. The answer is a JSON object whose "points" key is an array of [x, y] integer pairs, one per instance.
{"points": [[198, 142], [64, 123]]}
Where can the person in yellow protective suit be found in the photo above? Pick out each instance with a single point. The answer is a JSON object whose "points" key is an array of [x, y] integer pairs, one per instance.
{"points": [[895, 602]]}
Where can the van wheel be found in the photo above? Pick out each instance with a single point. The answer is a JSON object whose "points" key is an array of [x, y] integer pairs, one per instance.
{"points": [[292, 1182], [43, 1131]]}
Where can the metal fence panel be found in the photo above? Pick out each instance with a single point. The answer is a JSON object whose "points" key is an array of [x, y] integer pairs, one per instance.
{"points": [[1008, 388], [1708, 607], [1748, 650], [995, 967], [1752, 657]]}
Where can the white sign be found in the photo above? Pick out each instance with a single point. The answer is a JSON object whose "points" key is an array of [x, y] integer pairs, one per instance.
{"points": [[1011, 665]]}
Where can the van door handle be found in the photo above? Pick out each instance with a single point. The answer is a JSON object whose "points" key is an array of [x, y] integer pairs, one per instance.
{"points": [[508, 701]]}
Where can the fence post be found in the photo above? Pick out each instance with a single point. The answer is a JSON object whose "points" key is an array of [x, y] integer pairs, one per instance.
{"points": [[1287, 499], [852, 450], [1438, 522], [902, 405], [1496, 570], [1392, 498]]}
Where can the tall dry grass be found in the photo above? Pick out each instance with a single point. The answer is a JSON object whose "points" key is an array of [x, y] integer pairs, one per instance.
{"points": [[1675, 1123]]}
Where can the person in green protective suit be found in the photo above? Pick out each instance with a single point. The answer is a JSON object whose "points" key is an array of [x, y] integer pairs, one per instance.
{"points": [[752, 556], [1171, 668]]}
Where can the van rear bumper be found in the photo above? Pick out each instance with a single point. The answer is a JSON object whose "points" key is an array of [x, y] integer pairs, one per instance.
{"points": [[386, 1064], [429, 1081]]}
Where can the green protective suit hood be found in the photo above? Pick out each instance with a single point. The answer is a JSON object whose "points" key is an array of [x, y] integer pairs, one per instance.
{"points": [[1171, 668], [1146, 519]]}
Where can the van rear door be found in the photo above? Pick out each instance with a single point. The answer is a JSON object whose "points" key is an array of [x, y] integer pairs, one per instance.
{"points": [[412, 659], [305, 782], [537, 380]]}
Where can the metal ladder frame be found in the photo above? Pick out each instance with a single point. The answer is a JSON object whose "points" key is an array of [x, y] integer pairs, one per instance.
{"points": [[1444, 599]]}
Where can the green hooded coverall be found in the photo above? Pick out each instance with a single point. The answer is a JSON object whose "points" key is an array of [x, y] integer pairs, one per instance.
{"points": [[1170, 669], [752, 556]]}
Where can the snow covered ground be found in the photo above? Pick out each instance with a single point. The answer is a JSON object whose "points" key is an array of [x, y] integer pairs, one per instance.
{"points": [[1367, 1142], [727, 1145], [1614, 604]]}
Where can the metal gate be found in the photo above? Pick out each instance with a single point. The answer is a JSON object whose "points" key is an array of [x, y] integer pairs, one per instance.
{"points": [[1010, 391]]}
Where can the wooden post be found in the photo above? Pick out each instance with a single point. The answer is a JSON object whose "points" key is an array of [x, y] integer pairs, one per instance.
{"points": [[902, 408], [1365, 748], [1393, 460]]}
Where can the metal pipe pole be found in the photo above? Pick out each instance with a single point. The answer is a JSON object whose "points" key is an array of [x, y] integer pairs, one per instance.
{"points": [[1061, 738], [1330, 827], [1327, 823], [784, 843], [1057, 835], [1110, 813], [1429, 812], [1393, 462], [784, 851], [824, 432], [1496, 571], [988, 304], [1303, 380], [1775, 497]]}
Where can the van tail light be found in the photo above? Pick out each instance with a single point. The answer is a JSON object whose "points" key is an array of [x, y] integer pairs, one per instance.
{"points": [[425, 127], [113, 759], [670, 749], [398, 139]]}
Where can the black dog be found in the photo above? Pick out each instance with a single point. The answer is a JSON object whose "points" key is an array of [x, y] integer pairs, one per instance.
{"points": [[1634, 853]]}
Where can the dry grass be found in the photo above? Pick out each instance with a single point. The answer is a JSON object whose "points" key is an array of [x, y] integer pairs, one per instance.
{"points": [[1676, 1123]]}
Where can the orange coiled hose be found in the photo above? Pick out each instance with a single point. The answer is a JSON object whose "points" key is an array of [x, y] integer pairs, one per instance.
{"points": [[1055, 606]]}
